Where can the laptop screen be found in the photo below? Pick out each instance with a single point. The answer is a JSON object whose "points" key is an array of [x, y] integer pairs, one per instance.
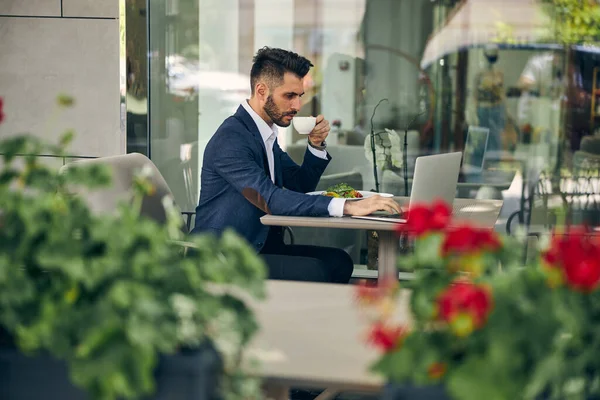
{"points": [[475, 147]]}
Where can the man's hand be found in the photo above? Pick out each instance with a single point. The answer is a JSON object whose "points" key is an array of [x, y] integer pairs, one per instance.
{"points": [[370, 205], [320, 132]]}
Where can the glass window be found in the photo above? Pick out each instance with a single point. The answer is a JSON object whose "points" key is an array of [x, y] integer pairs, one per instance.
{"points": [[134, 42], [512, 84]]}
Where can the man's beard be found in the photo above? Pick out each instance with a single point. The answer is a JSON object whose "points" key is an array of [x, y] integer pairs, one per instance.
{"points": [[277, 116]]}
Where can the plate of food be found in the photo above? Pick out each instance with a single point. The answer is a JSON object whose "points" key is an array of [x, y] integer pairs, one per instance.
{"points": [[345, 191]]}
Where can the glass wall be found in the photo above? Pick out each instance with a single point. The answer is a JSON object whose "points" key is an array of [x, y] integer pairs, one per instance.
{"points": [[513, 84], [134, 40]]}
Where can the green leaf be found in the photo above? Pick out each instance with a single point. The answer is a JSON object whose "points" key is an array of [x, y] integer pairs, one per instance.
{"points": [[428, 250], [475, 380], [546, 371], [66, 138], [96, 291], [397, 366], [64, 100]]}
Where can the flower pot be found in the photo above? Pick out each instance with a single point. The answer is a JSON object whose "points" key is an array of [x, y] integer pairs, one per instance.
{"points": [[191, 374], [396, 391]]}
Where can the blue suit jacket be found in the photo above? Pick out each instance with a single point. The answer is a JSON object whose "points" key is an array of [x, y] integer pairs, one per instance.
{"points": [[236, 188]]}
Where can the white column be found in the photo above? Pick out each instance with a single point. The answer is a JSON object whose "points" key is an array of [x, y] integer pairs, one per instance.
{"points": [[274, 24], [218, 52], [341, 20], [274, 27]]}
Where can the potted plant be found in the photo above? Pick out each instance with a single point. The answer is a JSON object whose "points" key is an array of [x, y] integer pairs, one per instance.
{"points": [[482, 327], [109, 307], [383, 150]]}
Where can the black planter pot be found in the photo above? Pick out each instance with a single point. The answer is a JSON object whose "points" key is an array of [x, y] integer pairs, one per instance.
{"points": [[410, 392], [188, 375]]}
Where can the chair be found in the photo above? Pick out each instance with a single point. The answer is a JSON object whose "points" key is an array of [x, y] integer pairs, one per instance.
{"points": [[123, 169], [345, 158], [572, 199], [576, 198], [352, 178], [529, 214], [585, 163]]}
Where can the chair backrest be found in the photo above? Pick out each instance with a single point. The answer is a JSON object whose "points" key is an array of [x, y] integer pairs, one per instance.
{"points": [[586, 164], [578, 196], [344, 158], [590, 144], [123, 170], [351, 178]]}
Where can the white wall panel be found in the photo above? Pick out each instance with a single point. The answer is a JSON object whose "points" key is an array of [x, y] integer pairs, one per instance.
{"points": [[30, 7], [44, 57], [90, 8]]}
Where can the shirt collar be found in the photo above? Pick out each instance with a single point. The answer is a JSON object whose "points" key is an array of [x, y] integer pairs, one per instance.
{"points": [[265, 130]]}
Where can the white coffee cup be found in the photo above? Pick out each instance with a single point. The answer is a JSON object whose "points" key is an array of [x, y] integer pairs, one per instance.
{"points": [[304, 125]]}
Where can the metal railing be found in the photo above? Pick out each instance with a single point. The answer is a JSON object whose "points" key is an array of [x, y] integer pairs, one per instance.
{"points": [[63, 157]]}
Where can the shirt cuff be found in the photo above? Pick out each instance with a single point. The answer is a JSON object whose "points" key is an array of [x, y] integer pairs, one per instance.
{"points": [[318, 153], [336, 207]]}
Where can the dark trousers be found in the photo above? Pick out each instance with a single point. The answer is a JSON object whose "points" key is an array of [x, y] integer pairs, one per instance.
{"points": [[305, 263]]}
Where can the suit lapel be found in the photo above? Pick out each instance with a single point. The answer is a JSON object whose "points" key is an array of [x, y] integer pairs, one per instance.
{"points": [[243, 116], [277, 164]]}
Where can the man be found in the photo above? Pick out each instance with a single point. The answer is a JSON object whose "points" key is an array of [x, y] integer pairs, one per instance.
{"points": [[490, 100], [543, 75], [244, 174], [543, 84]]}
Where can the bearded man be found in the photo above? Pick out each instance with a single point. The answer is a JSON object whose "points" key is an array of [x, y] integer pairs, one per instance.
{"points": [[245, 175]]}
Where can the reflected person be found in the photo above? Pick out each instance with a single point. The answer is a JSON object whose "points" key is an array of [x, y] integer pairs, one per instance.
{"points": [[490, 99], [543, 84], [245, 175]]}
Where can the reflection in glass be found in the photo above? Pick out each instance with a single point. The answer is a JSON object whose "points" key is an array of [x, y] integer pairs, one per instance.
{"points": [[136, 77], [502, 65]]}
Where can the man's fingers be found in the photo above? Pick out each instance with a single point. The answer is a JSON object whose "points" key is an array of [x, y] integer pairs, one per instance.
{"points": [[322, 129], [388, 204], [377, 203], [394, 206], [317, 137], [322, 122]]}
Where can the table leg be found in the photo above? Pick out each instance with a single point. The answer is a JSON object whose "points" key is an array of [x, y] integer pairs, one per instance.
{"points": [[276, 392], [388, 248]]}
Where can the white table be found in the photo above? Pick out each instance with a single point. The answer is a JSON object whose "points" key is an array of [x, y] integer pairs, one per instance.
{"points": [[312, 336], [481, 213]]}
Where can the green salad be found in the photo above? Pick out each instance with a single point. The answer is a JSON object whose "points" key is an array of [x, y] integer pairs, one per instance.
{"points": [[342, 190]]}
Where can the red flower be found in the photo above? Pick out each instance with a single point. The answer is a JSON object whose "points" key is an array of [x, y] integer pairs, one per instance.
{"points": [[465, 306], [575, 259], [386, 337], [437, 370], [422, 219], [1, 110], [584, 275], [466, 239]]}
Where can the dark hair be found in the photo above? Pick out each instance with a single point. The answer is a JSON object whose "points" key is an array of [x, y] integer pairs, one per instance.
{"points": [[272, 64]]}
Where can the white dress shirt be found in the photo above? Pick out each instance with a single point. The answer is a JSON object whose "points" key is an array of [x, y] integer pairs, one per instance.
{"points": [[269, 134]]}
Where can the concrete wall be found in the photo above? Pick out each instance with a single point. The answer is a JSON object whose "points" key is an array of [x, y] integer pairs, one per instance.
{"points": [[48, 47]]}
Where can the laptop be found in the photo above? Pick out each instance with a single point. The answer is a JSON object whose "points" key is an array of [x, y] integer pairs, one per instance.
{"points": [[435, 178], [475, 148]]}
